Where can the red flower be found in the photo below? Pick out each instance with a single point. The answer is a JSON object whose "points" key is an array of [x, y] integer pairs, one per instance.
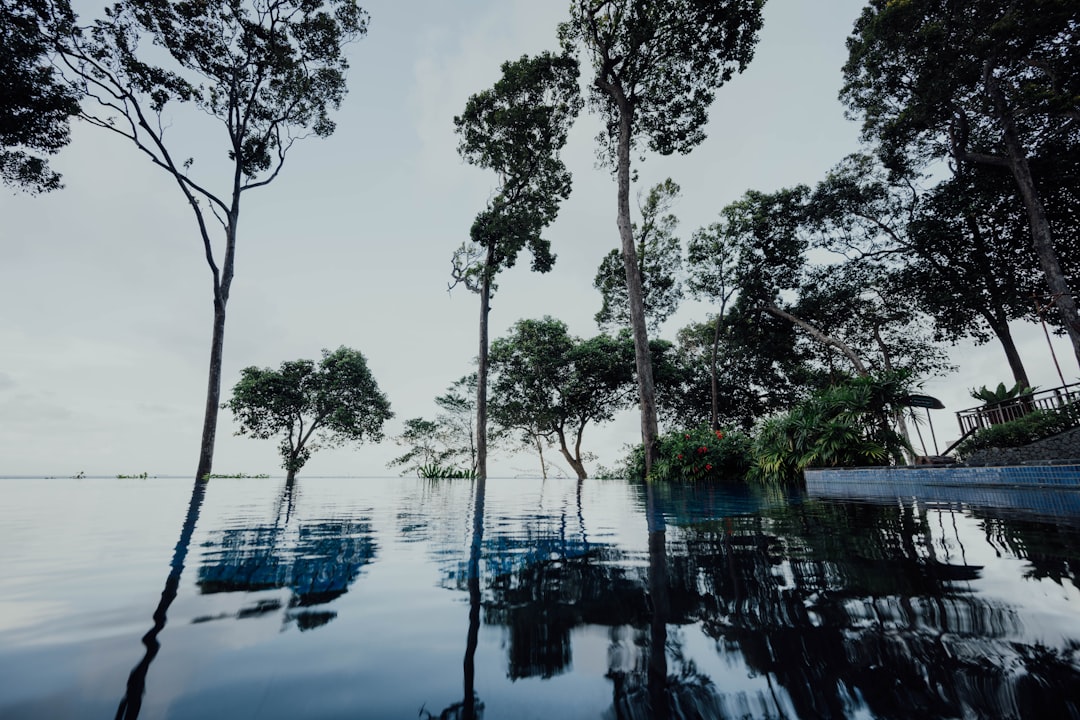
{"points": [[680, 456], [719, 435], [708, 466], [687, 436], [702, 450]]}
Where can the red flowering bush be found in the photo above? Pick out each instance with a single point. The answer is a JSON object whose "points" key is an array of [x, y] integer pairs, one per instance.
{"points": [[702, 454]]}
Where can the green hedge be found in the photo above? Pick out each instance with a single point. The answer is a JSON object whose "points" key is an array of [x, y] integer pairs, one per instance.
{"points": [[697, 455], [1036, 425]]}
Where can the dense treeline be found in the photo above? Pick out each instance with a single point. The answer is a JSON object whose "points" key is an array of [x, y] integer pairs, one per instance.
{"points": [[830, 302]]}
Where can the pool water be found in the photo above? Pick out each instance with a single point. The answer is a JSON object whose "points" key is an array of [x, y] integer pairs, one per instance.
{"points": [[404, 598]]}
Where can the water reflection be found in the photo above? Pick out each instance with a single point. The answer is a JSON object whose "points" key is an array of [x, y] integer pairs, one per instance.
{"points": [[316, 560], [834, 609], [649, 602], [131, 702]]}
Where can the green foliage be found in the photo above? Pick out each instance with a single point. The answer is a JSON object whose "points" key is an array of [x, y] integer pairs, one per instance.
{"points": [[448, 439], [925, 73], [271, 72], [234, 476], [846, 425], [435, 471], [661, 61], [959, 252], [1000, 394], [702, 455], [1036, 425], [338, 398], [988, 86], [518, 128], [35, 104], [551, 384], [659, 258]]}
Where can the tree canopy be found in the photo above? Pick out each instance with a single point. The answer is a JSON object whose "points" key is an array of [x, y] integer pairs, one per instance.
{"points": [[268, 73], [992, 85], [659, 257], [551, 383], [326, 405], [36, 103], [656, 66], [516, 128]]}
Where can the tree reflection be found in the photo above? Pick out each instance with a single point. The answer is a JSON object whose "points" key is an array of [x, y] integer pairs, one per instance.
{"points": [[815, 609], [853, 607], [131, 702], [470, 707], [316, 560]]}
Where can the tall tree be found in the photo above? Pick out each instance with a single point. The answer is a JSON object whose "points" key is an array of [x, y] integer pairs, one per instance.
{"points": [[656, 65], [760, 369], [448, 439], [959, 251], [546, 379], [35, 102], [329, 404], [712, 262], [517, 128], [768, 232], [268, 71], [992, 84], [659, 258]]}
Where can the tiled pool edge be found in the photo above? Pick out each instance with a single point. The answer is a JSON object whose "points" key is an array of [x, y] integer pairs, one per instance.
{"points": [[1041, 489]]}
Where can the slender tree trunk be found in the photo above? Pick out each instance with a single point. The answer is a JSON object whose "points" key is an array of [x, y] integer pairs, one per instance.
{"points": [[482, 370], [222, 285], [1041, 236], [213, 391], [540, 450], [840, 345], [575, 463], [1004, 336], [714, 382], [643, 361]]}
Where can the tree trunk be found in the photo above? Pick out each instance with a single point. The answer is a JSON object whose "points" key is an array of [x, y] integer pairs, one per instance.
{"points": [[713, 380], [213, 391], [482, 369], [574, 462], [1041, 236], [222, 285], [840, 345], [643, 361], [540, 450], [1004, 336]]}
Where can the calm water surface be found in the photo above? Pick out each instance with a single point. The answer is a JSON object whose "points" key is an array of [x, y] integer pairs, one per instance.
{"points": [[401, 598]]}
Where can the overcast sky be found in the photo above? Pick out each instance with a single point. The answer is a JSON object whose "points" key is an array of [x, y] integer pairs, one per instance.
{"points": [[106, 296]]}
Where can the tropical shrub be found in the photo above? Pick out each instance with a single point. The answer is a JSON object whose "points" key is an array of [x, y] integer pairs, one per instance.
{"points": [[698, 455], [1036, 425], [846, 425], [1000, 394], [434, 471]]}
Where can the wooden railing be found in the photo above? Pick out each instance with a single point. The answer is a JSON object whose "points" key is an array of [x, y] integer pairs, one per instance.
{"points": [[985, 416]]}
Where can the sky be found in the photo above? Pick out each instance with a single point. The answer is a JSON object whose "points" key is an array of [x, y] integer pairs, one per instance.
{"points": [[106, 296]]}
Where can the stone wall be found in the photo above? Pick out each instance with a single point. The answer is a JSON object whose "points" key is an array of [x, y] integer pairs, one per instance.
{"points": [[1064, 446]]}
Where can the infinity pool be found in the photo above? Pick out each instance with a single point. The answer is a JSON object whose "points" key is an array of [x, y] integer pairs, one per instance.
{"points": [[402, 598]]}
